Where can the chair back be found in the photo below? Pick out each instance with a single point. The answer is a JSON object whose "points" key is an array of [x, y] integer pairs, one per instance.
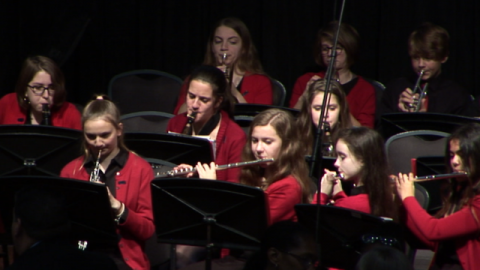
{"points": [[401, 148], [145, 90], [279, 93], [146, 122]]}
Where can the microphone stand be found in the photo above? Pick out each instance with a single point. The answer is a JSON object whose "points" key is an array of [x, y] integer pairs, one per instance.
{"points": [[316, 166]]}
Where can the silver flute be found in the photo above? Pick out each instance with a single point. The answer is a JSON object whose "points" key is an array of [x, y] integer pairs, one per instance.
{"points": [[218, 168]]}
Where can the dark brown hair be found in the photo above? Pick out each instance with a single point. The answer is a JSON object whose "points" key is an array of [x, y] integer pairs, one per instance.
{"points": [[248, 59], [367, 146], [429, 41], [31, 66], [291, 160], [216, 79], [348, 38], [460, 193], [305, 122]]}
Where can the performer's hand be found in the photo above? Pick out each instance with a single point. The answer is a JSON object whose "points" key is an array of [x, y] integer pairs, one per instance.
{"points": [[114, 203], [206, 171], [328, 181], [185, 166], [405, 185], [405, 99], [298, 105]]}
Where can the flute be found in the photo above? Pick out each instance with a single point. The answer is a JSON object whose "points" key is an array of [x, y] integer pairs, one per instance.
{"points": [[218, 167], [440, 176]]}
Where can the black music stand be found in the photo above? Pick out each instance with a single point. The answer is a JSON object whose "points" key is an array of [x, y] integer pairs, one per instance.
{"points": [[88, 206], [208, 213], [429, 166], [345, 233], [394, 123], [174, 148], [37, 150], [248, 109]]}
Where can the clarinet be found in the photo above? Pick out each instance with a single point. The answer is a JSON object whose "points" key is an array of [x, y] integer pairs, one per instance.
{"points": [[95, 174], [46, 115], [187, 130]]}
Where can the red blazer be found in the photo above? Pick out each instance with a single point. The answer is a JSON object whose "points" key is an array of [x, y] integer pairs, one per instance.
{"points": [[462, 226], [282, 196], [11, 113], [133, 189], [361, 99], [229, 145], [255, 88], [358, 202]]}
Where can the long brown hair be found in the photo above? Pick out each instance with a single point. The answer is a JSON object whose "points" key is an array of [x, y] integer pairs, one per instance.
{"points": [[460, 193], [290, 161], [31, 66], [367, 146], [248, 58], [305, 122], [106, 111]]}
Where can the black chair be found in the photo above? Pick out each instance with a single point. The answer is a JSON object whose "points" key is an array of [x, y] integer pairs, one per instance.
{"points": [[279, 93], [145, 90], [401, 148], [379, 89], [146, 122], [394, 123]]}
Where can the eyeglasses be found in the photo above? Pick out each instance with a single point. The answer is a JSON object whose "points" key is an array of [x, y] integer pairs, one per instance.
{"points": [[327, 49], [40, 89], [306, 262]]}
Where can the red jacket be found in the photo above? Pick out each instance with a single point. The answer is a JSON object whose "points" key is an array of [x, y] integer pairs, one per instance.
{"points": [[11, 113], [462, 226], [358, 202], [361, 99], [229, 144], [133, 189], [282, 196], [255, 88]]}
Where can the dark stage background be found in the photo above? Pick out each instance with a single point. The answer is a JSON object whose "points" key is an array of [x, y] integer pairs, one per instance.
{"points": [[94, 40]]}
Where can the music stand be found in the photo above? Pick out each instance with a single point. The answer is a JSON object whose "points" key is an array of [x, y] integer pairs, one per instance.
{"points": [[37, 150], [429, 166], [174, 148], [208, 213], [88, 206], [394, 123], [248, 109], [345, 233]]}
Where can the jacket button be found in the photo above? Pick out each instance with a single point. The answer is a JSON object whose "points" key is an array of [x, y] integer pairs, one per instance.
{"points": [[118, 173]]}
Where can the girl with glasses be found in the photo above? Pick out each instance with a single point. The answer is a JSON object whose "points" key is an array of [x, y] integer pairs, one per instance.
{"points": [[39, 97], [360, 93]]}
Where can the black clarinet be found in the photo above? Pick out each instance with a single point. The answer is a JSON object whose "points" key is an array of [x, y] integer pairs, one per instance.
{"points": [[187, 130], [46, 115]]}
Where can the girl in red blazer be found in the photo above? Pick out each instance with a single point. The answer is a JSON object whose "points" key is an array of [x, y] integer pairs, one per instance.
{"points": [[337, 115], [361, 158], [126, 176], [273, 134], [230, 48], [454, 232]]}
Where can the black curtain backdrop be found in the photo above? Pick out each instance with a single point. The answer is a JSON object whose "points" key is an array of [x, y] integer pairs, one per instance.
{"points": [[93, 40]]}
